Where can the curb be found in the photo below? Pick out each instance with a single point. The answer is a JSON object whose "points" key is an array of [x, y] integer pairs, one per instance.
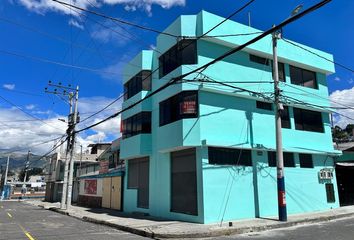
{"points": [[209, 233]]}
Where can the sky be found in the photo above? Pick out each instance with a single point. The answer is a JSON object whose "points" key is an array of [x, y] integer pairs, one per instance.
{"points": [[43, 29]]}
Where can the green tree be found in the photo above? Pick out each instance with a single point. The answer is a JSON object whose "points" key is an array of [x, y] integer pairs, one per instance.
{"points": [[30, 172]]}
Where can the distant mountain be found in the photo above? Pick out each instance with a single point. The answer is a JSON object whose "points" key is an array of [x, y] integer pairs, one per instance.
{"points": [[18, 160]]}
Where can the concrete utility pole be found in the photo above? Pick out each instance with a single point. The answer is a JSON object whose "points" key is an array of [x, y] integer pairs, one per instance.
{"points": [[72, 147], [278, 134], [7, 169], [27, 165], [73, 117]]}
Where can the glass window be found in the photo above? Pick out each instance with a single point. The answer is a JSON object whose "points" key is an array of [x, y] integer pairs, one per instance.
{"points": [[330, 193], [281, 71], [303, 77], [229, 156], [182, 105], [264, 105], [184, 52], [308, 120], [260, 60], [306, 160], [137, 124], [285, 118], [141, 81], [288, 159]]}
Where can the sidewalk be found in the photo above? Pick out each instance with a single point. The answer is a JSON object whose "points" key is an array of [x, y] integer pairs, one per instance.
{"points": [[158, 228]]}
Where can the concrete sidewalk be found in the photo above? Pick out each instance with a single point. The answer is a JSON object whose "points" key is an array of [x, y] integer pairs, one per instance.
{"points": [[159, 228]]}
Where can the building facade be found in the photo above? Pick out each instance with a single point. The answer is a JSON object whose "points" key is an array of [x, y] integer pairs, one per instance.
{"points": [[203, 149]]}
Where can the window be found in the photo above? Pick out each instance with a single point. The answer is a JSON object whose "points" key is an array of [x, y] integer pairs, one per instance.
{"points": [[303, 77], [141, 81], [330, 193], [285, 118], [183, 105], [137, 124], [229, 156], [288, 159], [184, 182], [281, 71], [260, 60], [264, 105], [305, 160], [308, 120], [138, 178], [184, 52]]}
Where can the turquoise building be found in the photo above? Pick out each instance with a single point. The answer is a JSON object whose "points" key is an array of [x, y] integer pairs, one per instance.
{"points": [[202, 151]]}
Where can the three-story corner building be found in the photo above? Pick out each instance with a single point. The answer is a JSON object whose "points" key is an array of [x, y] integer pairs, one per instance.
{"points": [[204, 152]]}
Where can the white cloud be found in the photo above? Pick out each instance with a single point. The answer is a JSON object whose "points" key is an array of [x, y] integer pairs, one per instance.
{"points": [[337, 79], [76, 24], [15, 133], [43, 6], [30, 107], [9, 86], [342, 98]]}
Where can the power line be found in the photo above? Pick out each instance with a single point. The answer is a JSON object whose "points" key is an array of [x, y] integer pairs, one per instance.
{"points": [[55, 62], [232, 35], [32, 116], [202, 68], [318, 55], [116, 19], [224, 20]]}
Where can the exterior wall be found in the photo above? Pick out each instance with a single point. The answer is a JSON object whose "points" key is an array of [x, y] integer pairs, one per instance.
{"points": [[228, 118]]}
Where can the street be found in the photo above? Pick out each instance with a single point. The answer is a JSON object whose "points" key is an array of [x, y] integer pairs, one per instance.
{"points": [[342, 229], [22, 221]]}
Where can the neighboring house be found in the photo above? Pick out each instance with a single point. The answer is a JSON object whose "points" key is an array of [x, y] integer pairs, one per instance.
{"points": [[104, 187], [345, 173], [86, 162], [205, 152]]}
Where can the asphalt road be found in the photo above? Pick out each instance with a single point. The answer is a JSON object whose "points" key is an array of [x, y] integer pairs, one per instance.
{"points": [[342, 229], [21, 221]]}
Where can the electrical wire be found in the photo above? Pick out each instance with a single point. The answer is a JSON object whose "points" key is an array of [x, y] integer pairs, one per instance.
{"points": [[318, 55], [32, 116], [116, 19]]}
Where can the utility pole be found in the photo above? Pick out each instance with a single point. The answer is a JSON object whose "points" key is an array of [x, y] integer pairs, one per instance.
{"points": [[73, 117], [7, 169], [72, 147], [278, 134], [27, 165]]}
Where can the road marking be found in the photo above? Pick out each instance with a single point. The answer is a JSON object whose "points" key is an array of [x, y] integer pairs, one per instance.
{"points": [[9, 214], [29, 236]]}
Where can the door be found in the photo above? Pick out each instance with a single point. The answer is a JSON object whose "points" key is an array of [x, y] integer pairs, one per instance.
{"points": [[106, 193], [116, 193]]}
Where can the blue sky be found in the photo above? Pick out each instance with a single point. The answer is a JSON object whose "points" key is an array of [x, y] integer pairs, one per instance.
{"points": [[328, 29]]}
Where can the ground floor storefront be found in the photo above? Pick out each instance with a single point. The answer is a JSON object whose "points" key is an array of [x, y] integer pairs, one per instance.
{"points": [[210, 184]]}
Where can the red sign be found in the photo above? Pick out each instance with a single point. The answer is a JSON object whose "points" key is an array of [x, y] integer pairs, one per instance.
{"points": [[281, 198], [104, 166], [90, 186], [188, 107]]}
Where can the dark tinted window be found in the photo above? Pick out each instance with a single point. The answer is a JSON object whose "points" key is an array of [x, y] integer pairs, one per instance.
{"points": [[281, 71], [184, 52], [288, 158], [141, 81], [264, 105], [330, 193], [308, 120], [182, 105], [305, 160], [229, 156], [285, 118], [303, 77], [260, 60], [184, 182], [137, 124]]}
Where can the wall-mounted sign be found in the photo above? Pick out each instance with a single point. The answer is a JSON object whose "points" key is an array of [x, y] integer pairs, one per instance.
{"points": [[90, 186], [104, 166]]}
